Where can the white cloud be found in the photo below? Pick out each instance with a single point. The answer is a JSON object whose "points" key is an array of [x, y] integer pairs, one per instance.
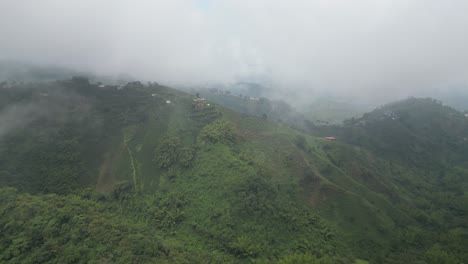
{"points": [[363, 47]]}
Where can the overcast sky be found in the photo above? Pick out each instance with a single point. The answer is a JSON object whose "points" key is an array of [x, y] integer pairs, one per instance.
{"points": [[361, 47]]}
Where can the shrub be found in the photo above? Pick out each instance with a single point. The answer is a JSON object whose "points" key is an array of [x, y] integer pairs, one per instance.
{"points": [[170, 151], [219, 131], [167, 152], [301, 142], [244, 247], [186, 156]]}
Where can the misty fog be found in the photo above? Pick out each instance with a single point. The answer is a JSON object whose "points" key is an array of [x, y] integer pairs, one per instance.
{"points": [[379, 49]]}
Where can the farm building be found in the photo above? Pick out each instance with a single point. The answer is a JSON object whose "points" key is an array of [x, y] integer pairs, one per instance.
{"points": [[200, 103], [199, 100]]}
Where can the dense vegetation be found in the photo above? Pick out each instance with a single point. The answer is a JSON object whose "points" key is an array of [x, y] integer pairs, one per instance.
{"points": [[418, 132], [144, 173]]}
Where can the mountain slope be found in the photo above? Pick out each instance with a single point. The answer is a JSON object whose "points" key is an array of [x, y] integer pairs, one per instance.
{"points": [[417, 131], [194, 182]]}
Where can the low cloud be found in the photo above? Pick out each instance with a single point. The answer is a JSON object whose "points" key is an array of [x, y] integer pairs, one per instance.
{"points": [[15, 116], [364, 48], [49, 104]]}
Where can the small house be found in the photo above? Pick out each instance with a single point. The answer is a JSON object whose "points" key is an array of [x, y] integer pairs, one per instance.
{"points": [[199, 100], [330, 138], [199, 103]]}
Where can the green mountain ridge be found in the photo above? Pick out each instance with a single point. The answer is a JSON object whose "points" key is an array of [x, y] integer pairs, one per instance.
{"points": [[145, 173], [423, 132]]}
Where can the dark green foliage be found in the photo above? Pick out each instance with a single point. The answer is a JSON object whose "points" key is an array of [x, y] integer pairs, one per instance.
{"points": [[71, 229], [170, 213], [244, 247], [301, 142], [167, 152], [438, 256], [256, 196], [170, 151], [186, 156], [300, 259]]}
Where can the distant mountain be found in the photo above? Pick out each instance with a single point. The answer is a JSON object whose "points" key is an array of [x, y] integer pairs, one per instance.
{"points": [[247, 103], [253, 99], [418, 131], [330, 110], [458, 98], [16, 71], [21, 71], [142, 173]]}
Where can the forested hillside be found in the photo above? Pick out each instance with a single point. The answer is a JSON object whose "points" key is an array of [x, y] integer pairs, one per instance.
{"points": [[139, 173], [419, 132]]}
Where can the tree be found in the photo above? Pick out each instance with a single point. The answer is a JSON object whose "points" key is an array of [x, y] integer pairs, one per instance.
{"points": [[170, 151], [438, 256], [166, 154], [219, 131], [301, 142]]}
